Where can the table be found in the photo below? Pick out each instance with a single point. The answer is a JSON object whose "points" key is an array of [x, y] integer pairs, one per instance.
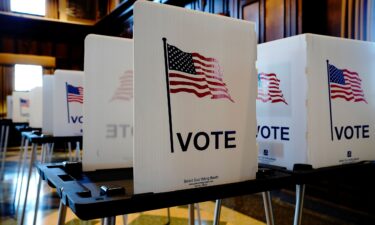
{"points": [[110, 192]]}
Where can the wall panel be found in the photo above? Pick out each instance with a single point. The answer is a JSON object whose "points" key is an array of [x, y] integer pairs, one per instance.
{"points": [[275, 20]]}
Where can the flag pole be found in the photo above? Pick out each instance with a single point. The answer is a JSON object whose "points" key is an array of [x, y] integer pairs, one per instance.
{"points": [[330, 105], [168, 93], [67, 101]]}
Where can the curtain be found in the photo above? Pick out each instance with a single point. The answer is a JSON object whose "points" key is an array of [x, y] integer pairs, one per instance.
{"points": [[370, 20], [5, 5], [357, 20], [6, 86], [52, 9]]}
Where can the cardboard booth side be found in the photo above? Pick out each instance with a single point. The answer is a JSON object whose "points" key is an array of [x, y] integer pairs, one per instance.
{"points": [[282, 102], [341, 107], [47, 122], [108, 103], [21, 106], [9, 106], [185, 135], [36, 107], [67, 103]]}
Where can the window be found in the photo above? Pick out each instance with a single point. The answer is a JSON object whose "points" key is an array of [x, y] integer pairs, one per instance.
{"points": [[27, 77], [35, 7]]}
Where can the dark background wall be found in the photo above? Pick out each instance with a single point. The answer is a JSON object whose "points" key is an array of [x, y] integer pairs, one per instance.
{"points": [[274, 19]]}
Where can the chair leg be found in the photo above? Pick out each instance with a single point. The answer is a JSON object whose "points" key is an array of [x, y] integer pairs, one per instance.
{"points": [[217, 212], [300, 194], [4, 146], [191, 214], [125, 219], [70, 152], [23, 166], [109, 220], [78, 152], [62, 214], [198, 213], [2, 132], [169, 216], [33, 156], [42, 160], [268, 207], [21, 154]]}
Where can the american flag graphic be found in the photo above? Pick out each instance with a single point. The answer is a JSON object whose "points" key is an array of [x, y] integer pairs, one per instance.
{"points": [[269, 88], [24, 102], [124, 91], [74, 94], [195, 74], [345, 84]]}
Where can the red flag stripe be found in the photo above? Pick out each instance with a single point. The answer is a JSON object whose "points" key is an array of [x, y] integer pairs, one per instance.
{"points": [[204, 64], [216, 71], [206, 79], [270, 91], [125, 89], [195, 54], [198, 94], [270, 78]]}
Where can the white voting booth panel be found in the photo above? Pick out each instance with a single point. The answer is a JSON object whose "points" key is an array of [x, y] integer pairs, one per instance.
{"points": [[194, 99], [108, 106], [67, 103], [47, 122], [315, 102], [9, 106], [21, 106], [36, 107]]}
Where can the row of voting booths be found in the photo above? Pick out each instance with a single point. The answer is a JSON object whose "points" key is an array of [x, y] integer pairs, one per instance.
{"points": [[57, 94], [187, 107], [202, 102], [56, 109]]}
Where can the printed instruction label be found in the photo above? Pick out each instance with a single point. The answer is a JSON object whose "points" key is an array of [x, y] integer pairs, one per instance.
{"points": [[200, 181]]}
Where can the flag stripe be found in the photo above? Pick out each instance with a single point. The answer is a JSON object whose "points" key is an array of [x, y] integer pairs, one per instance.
{"points": [[209, 76], [197, 68], [203, 80], [198, 62], [273, 100], [350, 94], [125, 89], [74, 94], [269, 88], [270, 78], [345, 84], [200, 87], [221, 96], [194, 54], [173, 75], [189, 84], [199, 94], [196, 74]]}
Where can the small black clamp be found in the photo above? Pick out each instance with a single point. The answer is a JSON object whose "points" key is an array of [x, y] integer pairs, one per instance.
{"points": [[112, 190]]}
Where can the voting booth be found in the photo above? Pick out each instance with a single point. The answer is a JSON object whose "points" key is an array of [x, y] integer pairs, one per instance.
{"points": [[108, 106], [67, 103], [47, 122], [9, 106], [36, 107], [315, 101], [194, 99], [21, 106]]}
